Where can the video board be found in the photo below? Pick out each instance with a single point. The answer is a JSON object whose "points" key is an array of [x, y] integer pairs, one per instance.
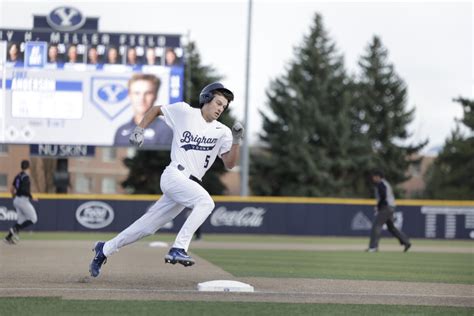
{"points": [[71, 86]]}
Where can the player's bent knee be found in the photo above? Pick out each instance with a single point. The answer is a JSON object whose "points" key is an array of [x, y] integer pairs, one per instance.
{"points": [[210, 204], [207, 204]]}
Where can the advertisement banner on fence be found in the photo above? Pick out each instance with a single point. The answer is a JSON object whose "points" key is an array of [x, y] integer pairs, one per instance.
{"points": [[418, 221]]}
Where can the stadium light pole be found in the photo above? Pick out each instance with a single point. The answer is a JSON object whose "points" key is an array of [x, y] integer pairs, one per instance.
{"points": [[187, 59], [3, 62], [244, 168]]}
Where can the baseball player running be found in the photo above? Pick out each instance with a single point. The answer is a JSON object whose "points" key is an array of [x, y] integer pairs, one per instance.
{"points": [[22, 197], [198, 138]]}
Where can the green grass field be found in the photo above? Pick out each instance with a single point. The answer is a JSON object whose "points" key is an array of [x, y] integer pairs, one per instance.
{"points": [[348, 265], [56, 306], [436, 267]]}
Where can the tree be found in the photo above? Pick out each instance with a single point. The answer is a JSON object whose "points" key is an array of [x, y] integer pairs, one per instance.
{"points": [[450, 176], [381, 113], [309, 148], [146, 166], [42, 171]]}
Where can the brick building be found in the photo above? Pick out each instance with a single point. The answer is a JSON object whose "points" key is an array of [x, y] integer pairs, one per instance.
{"points": [[101, 174]]}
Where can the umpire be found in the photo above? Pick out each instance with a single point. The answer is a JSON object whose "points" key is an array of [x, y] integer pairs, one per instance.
{"points": [[384, 213], [21, 192]]}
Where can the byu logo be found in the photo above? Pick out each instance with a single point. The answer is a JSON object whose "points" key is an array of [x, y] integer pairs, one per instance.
{"points": [[65, 19], [110, 95]]}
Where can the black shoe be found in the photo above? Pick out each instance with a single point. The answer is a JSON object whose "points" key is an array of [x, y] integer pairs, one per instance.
{"points": [[407, 246], [15, 237], [9, 241]]}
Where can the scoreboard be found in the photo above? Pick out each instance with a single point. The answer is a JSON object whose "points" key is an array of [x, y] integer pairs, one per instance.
{"points": [[77, 100]]}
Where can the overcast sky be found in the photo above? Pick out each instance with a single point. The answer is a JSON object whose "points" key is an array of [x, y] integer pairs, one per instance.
{"points": [[430, 43]]}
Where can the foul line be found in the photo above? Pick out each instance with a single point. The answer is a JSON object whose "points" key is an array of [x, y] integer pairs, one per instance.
{"points": [[208, 292]]}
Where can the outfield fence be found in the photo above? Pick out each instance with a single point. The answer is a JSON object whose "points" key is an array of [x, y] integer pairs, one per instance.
{"points": [[251, 215]]}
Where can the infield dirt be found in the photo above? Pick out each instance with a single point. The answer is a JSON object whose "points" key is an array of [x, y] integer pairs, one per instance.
{"points": [[138, 272]]}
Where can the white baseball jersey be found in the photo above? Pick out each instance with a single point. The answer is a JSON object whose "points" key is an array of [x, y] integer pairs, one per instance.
{"points": [[195, 146], [196, 143]]}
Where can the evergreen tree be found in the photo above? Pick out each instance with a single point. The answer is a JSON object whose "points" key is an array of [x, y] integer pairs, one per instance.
{"points": [[147, 165], [145, 169], [309, 147], [382, 115], [451, 175]]}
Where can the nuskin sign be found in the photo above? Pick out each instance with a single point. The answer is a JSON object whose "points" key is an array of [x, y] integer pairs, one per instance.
{"points": [[247, 217], [7, 215]]}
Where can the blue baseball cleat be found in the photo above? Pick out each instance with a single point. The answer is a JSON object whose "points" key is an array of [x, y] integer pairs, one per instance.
{"points": [[99, 259], [178, 255]]}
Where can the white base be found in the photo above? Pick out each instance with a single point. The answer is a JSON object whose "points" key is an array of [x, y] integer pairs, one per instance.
{"points": [[224, 286], [158, 244]]}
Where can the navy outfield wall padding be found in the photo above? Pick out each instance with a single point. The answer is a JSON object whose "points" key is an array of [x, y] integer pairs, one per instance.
{"points": [[114, 215]]}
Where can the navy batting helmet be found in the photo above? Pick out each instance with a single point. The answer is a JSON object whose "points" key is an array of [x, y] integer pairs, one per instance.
{"points": [[207, 94]]}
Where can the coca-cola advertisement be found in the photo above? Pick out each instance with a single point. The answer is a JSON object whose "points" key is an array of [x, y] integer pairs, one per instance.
{"points": [[247, 217], [114, 214]]}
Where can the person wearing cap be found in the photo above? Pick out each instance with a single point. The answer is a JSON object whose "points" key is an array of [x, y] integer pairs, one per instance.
{"points": [[26, 213], [198, 139]]}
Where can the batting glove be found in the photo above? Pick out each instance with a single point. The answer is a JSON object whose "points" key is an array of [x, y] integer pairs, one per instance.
{"points": [[137, 137], [237, 133]]}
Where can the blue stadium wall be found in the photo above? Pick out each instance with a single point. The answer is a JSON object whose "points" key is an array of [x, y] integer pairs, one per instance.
{"points": [[252, 215]]}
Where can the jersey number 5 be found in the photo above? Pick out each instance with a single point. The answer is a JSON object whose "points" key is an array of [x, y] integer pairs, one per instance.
{"points": [[206, 163]]}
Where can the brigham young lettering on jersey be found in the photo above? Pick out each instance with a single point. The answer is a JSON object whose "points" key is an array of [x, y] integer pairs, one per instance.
{"points": [[194, 142]]}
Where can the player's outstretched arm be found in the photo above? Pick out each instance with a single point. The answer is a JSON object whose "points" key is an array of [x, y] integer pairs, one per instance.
{"points": [[137, 137], [13, 190], [230, 158], [150, 116]]}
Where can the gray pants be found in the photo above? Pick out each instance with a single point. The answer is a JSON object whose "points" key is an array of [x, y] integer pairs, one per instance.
{"points": [[24, 210], [385, 216]]}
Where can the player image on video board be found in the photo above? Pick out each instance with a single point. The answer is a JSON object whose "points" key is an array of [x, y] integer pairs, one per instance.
{"points": [[143, 91]]}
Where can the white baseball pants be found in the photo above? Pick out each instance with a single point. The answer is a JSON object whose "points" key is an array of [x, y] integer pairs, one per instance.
{"points": [[178, 192]]}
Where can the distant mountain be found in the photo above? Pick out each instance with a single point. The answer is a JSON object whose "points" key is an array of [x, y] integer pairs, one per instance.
{"points": [[432, 151]]}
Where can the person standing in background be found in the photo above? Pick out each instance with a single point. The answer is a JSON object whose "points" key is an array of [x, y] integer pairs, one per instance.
{"points": [[26, 213], [384, 213]]}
